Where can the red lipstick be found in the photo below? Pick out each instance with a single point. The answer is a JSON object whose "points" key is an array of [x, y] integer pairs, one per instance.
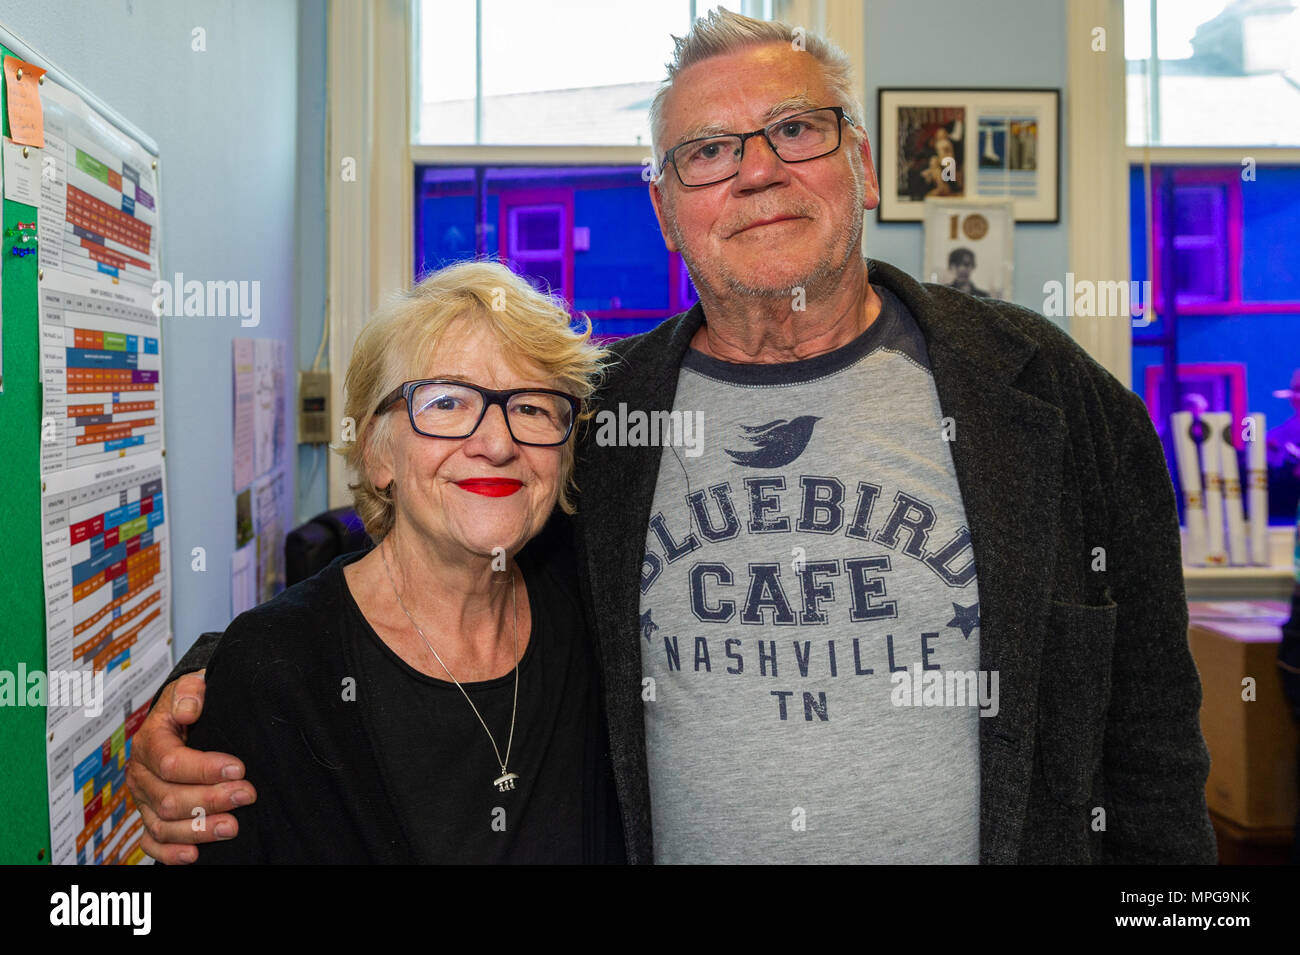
{"points": [[490, 487]]}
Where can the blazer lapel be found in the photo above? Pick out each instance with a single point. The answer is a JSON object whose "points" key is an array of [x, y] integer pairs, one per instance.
{"points": [[617, 484], [1008, 447]]}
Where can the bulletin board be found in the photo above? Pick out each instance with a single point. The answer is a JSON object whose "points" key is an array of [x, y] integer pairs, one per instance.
{"points": [[81, 405]]}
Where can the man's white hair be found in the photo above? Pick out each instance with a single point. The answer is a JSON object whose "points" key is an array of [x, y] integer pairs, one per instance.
{"points": [[721, 32]]}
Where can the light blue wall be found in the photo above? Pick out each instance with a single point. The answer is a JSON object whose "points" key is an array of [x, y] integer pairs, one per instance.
{"points": [[987, 44], [226, 124]]}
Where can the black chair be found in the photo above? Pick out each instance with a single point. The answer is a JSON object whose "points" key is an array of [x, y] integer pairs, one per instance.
{"points": [[309, 548]]}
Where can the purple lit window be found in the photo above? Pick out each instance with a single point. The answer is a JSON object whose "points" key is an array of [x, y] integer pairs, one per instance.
{"points": [[535, 237], [588, 233], [1206, 239], [1200, 243], [536, 230], [1220, 235]]}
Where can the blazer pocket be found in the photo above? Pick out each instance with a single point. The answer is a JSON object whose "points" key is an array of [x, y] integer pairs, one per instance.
{"points": [[1073, 695]]}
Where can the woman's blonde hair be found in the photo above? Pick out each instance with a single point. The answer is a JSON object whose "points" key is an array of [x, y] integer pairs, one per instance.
{"points": [[401, 342]]}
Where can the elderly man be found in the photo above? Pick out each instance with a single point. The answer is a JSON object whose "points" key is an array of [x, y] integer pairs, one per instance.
{"points": [[917, 596]]}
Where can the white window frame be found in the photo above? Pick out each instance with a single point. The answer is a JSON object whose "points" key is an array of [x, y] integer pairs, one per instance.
{"points": [[1098, 215]]}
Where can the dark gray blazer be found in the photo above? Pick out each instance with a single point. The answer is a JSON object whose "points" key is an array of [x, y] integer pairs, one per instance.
{"points": [[1096, 754]]}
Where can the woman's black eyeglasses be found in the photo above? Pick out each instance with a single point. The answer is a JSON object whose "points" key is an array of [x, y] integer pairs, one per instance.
{"points": [[445, 408]]}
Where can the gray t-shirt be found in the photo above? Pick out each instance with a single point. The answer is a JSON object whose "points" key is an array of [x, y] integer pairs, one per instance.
{"points": [[811, 546]]}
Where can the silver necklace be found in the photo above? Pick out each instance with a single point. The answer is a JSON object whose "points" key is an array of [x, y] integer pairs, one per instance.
{"points": [[506, 781]]}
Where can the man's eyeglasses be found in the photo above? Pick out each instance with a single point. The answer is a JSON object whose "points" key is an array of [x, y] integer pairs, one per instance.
{"points": [[441, 408], [808, 135]]}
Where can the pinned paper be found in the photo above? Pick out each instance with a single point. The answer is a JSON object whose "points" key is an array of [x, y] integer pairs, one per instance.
{"points": [[22, 173], [26, 119]]}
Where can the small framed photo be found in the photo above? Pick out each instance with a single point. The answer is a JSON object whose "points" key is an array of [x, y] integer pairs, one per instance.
{"points": [[969, 245], [969, 144]]}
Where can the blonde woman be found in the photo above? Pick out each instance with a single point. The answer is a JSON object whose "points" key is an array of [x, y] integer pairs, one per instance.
{"points": [[434, 699]]}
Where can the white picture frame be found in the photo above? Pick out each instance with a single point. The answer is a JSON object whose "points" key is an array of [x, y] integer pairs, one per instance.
{"points": [[969, 144], [970, 246]]}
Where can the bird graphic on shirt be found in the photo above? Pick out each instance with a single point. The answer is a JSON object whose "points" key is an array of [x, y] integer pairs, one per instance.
{"points": [[648, 626], [777, 443]]}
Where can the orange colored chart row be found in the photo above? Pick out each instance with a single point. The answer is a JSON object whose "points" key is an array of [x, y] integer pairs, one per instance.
{"points": [[99, 218], [99, 253], [120, 407], [95, 433], [117, 622], [124, 641]]}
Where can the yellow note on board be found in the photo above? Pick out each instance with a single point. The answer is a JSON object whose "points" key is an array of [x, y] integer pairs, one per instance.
{"points": [[26, 118]]}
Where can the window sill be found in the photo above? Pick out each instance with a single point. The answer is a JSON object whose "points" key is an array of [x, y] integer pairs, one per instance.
{"points": [[1274, 582]]}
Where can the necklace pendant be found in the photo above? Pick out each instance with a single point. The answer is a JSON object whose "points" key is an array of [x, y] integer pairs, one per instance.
{"points": [[505, 782]]}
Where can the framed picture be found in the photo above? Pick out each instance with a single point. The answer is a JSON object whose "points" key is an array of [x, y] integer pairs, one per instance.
{"points": [[958, 144], [969, 245]]}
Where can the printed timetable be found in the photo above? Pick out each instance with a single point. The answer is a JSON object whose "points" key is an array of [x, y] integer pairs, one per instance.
{"points": [[101, 371], [108, 622], [93, 820], [105, 548], [98, 207]]}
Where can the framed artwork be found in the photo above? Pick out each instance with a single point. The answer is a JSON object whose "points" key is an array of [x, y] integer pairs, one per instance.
{"points": [[959, 144], [969, 245]]}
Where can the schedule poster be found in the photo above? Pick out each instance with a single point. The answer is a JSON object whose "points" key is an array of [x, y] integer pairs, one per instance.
{"points": [[104, 517], [108, 624], [101, 365]]}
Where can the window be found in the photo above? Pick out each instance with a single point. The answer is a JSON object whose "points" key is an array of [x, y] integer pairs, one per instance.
{"points": [[538, 160], [481, 80], [1199, 244], [1201, 229], [1228, 340], [588, 233], [538, 237], [1212, 72]]}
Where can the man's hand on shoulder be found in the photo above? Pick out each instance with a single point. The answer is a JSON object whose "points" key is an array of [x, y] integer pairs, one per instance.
{"points": [[169, 781]]}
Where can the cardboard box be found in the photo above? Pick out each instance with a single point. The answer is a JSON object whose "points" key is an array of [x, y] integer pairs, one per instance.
{"points": [[1252, 743], [1239, 846]]}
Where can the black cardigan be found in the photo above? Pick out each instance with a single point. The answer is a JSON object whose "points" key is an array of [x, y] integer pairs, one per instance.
{"points": [[276, 700]]}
